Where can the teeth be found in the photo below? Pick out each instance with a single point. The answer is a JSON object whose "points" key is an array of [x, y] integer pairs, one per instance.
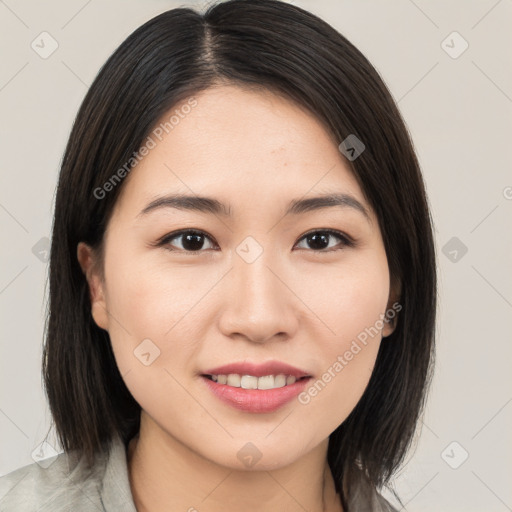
{"points": [[233, 380], [251, 382], [290, 379], [247, 381]]}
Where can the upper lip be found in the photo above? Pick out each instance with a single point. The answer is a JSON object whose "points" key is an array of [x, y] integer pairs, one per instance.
{"points": [[258, 370]]}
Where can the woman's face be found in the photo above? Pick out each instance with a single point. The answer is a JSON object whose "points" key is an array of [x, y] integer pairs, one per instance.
{"points": [[251, 287]]}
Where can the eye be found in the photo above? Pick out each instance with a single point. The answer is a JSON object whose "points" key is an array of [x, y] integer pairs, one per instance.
{"points": [[319, 239], [191, 240]]}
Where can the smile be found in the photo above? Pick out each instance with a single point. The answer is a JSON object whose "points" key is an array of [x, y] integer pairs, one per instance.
{"points": [[248, 396]]}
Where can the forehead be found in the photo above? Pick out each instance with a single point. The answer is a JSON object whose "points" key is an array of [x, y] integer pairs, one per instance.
{"points": [[239, 144]]}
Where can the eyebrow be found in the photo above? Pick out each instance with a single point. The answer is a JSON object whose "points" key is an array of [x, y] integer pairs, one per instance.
{"points": [[213, 206]]}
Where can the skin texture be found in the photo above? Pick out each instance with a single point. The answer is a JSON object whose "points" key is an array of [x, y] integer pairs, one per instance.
{"points": [[295, 303]]}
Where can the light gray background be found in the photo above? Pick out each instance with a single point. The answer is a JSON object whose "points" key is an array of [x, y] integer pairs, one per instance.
{"points": [[459, 113]]}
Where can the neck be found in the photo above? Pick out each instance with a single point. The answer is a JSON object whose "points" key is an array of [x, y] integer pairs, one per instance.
{"points": [[167, 475]]}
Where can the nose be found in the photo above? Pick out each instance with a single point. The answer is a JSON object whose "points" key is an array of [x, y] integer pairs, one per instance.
{"points": [[260, 303]]}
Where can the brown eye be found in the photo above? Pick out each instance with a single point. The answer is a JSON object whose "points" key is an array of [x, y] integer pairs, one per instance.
{"points": [[191, 240], [321, 240]]}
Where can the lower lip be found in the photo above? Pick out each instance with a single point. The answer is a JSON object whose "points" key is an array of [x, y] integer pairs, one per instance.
{"points": [[256, 400]]}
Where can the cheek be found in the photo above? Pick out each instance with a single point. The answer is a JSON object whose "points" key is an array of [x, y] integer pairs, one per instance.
{"points": [[144, 313], [350, 297], [150, 335], [155, 325], [148, 298], [350, 307]]}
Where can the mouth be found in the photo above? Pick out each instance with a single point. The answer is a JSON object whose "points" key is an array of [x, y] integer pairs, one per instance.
{"points": [[256, 387], [271, 368], [264, 382], [251, 394]]}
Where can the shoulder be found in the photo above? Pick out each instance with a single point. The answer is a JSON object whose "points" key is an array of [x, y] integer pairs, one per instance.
{"points": [[365, 498], [63, 484], [381, 504]]}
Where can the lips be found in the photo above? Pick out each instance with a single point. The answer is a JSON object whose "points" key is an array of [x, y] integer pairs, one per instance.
{"points": [[257, 370], [256, 400]]}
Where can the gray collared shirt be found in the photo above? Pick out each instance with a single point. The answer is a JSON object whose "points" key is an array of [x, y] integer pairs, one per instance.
{"points": [[67, 485]]}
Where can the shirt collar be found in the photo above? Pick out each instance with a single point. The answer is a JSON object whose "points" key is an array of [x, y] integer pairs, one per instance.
{"points": [[115, 492]]}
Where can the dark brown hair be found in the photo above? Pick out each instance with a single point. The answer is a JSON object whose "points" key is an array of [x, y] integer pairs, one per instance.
{"points": [[285, 49]]}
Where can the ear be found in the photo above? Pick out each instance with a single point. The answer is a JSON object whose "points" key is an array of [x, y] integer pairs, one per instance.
{"points": [[90, 267], [393, 307]]}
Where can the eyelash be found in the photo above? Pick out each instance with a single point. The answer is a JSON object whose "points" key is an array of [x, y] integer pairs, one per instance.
{"points": [[345, 240]]}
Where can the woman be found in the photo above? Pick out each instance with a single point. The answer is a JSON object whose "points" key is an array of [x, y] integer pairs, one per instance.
{"points": [[242, 276]]}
